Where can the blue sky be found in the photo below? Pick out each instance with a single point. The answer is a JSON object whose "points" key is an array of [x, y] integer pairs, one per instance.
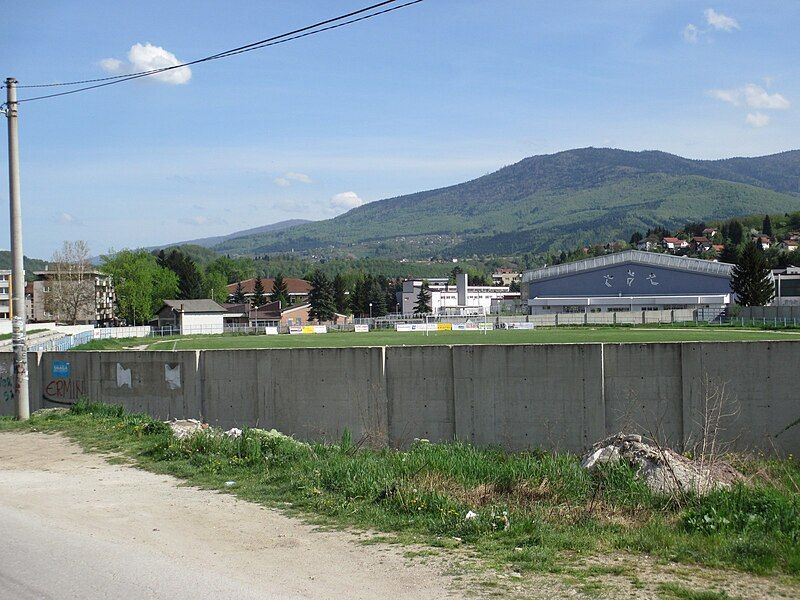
{"points": [[428, 96]]}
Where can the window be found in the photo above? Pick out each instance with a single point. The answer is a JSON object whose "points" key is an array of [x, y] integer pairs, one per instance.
{"points": [[789, 287]]}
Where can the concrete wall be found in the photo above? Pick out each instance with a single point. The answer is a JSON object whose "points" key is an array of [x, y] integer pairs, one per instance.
{"points": [[564, 396], [643, 389], [311, 393], [529, 395]]}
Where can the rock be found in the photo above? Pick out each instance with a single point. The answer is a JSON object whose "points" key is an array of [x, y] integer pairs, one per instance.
{"points": [[470, 515], [183, 428], [664, 470]]}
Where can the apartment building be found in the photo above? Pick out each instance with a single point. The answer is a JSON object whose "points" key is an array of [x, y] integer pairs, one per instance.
{"points": [[97, 297]]}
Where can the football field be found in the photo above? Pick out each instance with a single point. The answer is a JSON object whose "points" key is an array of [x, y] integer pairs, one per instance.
{"points": [[563, 335]]}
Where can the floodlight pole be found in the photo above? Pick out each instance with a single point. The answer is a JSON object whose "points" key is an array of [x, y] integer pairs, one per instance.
{"points": [[18, 343]]}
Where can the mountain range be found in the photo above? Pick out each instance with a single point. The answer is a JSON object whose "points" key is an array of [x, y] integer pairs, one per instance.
{"points": [[543, 203], [210, 242]]}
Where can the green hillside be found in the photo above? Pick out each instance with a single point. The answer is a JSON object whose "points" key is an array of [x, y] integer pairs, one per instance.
{"points": [[549, 202], [29, 264]]}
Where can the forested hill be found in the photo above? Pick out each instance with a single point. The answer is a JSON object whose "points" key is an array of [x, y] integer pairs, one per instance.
{"points": [[29, 264], [549, 202]]}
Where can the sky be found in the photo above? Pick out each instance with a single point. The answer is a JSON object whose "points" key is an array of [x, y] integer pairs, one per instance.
{"points": [[430, 95]]}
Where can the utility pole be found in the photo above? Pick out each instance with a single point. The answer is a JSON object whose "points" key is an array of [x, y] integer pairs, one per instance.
{"points": [[23, 408]]}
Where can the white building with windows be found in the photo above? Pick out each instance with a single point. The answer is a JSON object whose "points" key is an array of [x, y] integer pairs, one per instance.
{"points": [[459, 299], [628, 281], [5, 294]]}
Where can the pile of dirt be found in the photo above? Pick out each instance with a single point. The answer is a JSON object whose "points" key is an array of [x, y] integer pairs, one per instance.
{"points": [[664, 470]]}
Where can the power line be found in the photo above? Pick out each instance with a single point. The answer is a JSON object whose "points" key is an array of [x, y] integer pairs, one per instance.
{"points": [[272, 41], [213, 56]]}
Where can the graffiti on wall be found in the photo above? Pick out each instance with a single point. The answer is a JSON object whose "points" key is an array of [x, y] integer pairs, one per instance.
{"points": [[6, 384], [62, 385]]}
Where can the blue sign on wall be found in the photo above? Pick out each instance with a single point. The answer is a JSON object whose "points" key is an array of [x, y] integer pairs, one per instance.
{"points": [[60, 369]]}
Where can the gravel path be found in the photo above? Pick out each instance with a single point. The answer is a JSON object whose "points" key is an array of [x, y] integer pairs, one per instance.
{"points": [[75, 526]]}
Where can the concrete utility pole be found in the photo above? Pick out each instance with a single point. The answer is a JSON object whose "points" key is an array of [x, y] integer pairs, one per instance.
{"points": [[17, 269]]}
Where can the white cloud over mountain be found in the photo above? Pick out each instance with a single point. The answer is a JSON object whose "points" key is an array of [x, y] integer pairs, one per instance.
{"points": [[346, 200]]}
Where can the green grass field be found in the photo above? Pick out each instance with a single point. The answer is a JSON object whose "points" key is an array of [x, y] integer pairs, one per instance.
{"points": [[562, 335]]}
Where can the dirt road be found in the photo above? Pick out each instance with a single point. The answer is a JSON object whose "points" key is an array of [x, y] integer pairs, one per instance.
{"points": [[74, 526]]}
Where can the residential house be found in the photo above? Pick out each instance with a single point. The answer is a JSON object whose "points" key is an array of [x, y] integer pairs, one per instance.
{"points": [[505, 276], [790, 245], [763, 240], [709, 232], [191, 316], [298, 289], [651, 242], [673, 244], [700, 244]]}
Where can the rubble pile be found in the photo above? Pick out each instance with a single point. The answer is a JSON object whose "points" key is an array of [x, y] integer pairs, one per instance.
{"points": [[664, 470], [183, 428]]}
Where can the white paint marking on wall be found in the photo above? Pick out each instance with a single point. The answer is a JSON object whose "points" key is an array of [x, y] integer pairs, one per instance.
{"points": [[123, 377], [172, 375]]}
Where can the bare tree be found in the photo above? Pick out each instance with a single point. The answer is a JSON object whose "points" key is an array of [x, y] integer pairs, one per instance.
{"points": [[71, 295]]}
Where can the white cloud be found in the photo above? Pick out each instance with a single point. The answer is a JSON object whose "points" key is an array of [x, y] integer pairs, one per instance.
{"points": [[753, 96], [691, 33], [146, 57], [291, 176], [301, 177], [719, 21], [757, 119], [716, 22], [346, 200], [730, 96], [65, 218], [758, 97], [111, 65]]}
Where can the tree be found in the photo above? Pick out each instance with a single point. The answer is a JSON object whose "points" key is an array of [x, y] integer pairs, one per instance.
{"points": [[736, 232], [377, 298], [233, 270], [766, 226], [216, 286], [636, 238], [394, 294], [238, 295], [359, 299], [751, 278], [455, 273], [323, 307], [190, 281], [279, 291], [340, 298], [141, 285], [71, 287], [729, 254], [258, 292], [423, 303]]}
